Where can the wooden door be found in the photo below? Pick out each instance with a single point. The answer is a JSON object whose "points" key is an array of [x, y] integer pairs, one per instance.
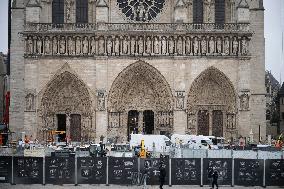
{"points": [[217, 123], [203, 123], [75, 127]]}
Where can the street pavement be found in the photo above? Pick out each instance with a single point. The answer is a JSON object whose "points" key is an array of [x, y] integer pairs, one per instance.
{"points": [[68, 186]]}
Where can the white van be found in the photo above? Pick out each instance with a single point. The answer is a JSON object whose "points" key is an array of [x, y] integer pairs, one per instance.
{"points": [[157, 143], [193, 141]]}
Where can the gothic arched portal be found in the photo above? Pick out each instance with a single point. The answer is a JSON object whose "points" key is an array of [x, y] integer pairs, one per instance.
{"points": [[211, 105], [65, 105], [138, 95]]}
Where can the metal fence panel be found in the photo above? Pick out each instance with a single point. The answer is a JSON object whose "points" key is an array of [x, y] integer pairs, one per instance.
{"points": [[185, 171], [28, 170], [60, 170], [248, 172], [91, 170], [122, 170], [223, 166], [274, 172], [5, 169]]}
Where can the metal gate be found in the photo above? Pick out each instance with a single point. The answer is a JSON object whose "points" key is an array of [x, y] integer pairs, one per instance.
{"points": [[217, 125], [203, 123]]}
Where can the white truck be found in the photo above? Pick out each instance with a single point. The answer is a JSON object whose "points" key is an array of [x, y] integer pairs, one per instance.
{"points": [[193, 141], [157, 143]]}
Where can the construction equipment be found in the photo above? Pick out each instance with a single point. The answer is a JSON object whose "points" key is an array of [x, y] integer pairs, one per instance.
{"points": [[142, 152]]}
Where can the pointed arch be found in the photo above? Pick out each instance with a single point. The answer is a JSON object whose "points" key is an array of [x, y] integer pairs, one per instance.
{"points": [[140, 85], [66, 92], [65, 103], [140, 90], [211, 104]]}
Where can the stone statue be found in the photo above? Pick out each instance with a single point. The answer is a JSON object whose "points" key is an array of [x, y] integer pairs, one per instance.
{"points": [[244, 46], [78, 45], [101, 101], [195, 46], [101, 46], [29, 102], [219, 46], [156, 45], [39, 46], [68, 10], [47, 46], [126, 45], [244, 102], [85, 45], [148, 45], [235, 46], [203, 46], [133, 45], [71, 48], [180, 46], [180, 100], [30, 46], [211, 46], [116, 46], [62, 46], [140, 44], [109, 45], [209, 11], [227, 46], [171, 45], [164, 45], [55, 45], [187, 46], [93, 46]]}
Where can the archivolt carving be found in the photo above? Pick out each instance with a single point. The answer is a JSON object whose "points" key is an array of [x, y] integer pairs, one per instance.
{"points": [[212, 87], [140, 86], [212, 91], [67, 94]]}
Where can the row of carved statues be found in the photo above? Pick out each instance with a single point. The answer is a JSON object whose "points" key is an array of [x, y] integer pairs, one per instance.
{"points": [[138, 45]]}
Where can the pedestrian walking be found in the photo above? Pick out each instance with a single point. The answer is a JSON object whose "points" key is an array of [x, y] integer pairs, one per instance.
{"points": [[163, 174], [215, 179]]}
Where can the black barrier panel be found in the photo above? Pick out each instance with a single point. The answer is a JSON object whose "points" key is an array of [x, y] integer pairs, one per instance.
{"points": [[28, 170], [91, 170], [274, 172], [223, 166], [248, 172], [5, 169], [153, 170], [186, 171], [60, 170], [122, 170]]}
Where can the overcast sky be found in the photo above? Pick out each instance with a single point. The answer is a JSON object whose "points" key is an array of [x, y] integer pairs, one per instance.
{"points": [[274, 27]]}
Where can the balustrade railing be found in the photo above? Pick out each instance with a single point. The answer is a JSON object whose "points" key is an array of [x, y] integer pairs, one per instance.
{"points": [[154, 27]]}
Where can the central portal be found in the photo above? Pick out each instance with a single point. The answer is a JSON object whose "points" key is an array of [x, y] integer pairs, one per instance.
{"points": [[140, 122]]}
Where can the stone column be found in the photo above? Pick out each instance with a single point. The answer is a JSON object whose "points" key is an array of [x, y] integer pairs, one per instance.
{"points": [[210, 121], [68, 124], [140, 122]]}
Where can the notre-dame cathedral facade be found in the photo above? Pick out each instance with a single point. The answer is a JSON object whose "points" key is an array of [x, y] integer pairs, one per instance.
{"points": [[110, 68]]}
